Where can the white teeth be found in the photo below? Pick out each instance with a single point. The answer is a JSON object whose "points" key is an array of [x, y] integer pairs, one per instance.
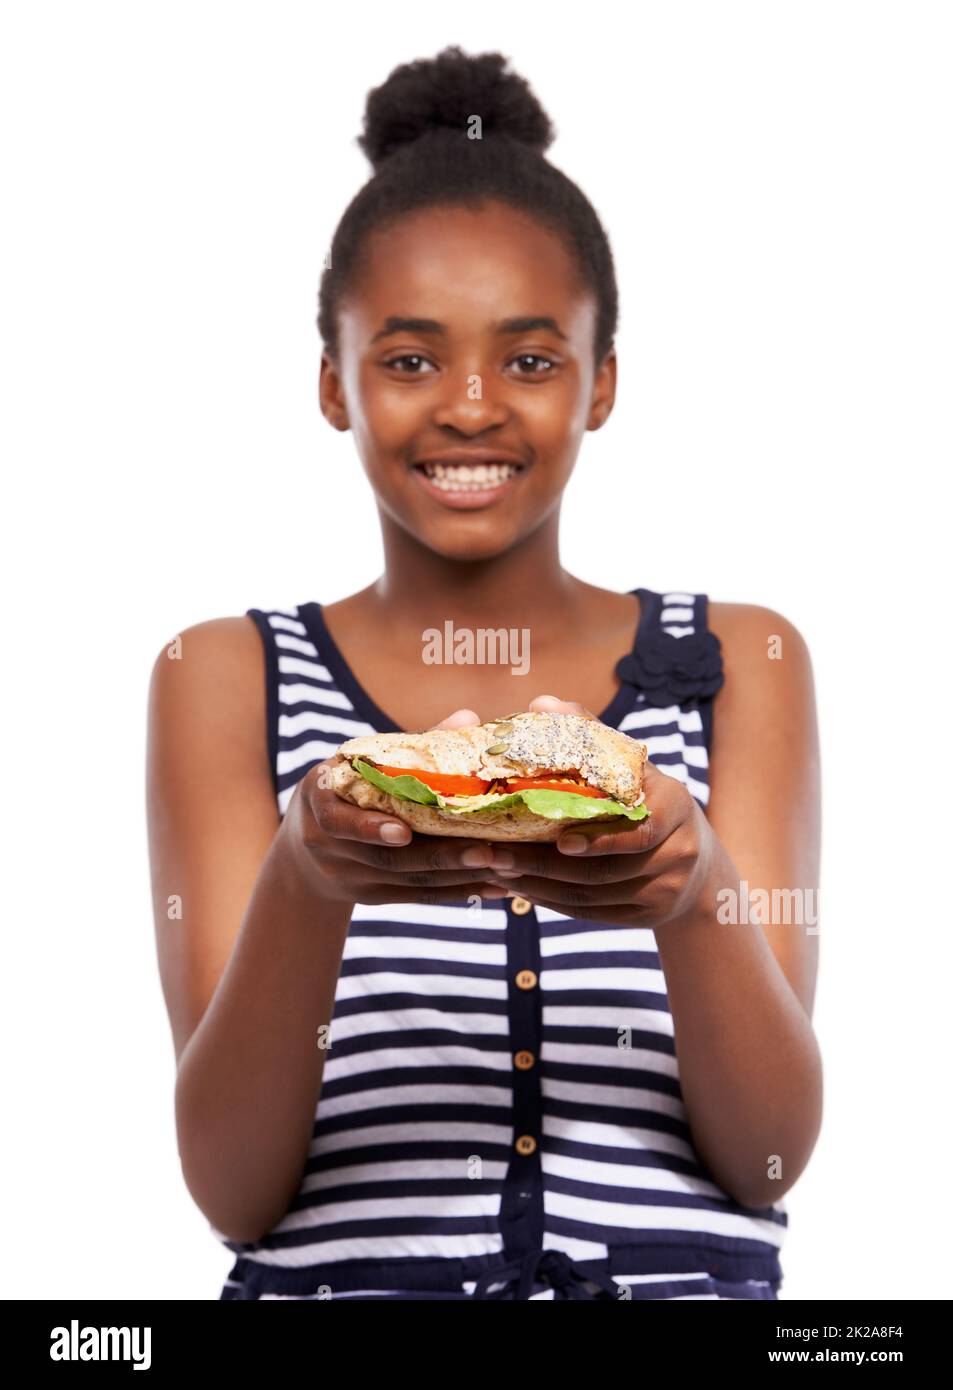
{"points": [[459, 477]]}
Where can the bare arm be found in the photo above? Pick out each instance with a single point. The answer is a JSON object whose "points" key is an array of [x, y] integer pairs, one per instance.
{"points": [[742, 994], [249, 968]]}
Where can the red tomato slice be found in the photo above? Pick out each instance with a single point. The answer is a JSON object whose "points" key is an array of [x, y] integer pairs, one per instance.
{"points": [[448, 783], [521, 784]]}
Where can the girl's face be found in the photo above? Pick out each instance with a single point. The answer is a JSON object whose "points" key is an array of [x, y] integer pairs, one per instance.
{"points": [[467, 341]]}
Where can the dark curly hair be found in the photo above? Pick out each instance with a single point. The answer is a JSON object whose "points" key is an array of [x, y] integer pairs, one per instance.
{"points": [[419, 138]]}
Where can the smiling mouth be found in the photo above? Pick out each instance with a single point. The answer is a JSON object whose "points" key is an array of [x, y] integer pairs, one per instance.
{"points": [[461, 477]]}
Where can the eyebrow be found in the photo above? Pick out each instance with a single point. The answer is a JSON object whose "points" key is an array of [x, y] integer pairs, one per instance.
{"points": [[526, 324]]}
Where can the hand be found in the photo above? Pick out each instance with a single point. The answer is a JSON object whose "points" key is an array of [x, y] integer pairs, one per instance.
{"points": [[628, 873], [358, 856]]}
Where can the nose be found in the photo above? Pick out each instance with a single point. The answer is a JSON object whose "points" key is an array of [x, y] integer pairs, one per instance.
{"points": [[470, 402]]}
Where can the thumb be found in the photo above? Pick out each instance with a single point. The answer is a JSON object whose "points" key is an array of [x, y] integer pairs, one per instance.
{"points": [[459, 719], [549, 704]]}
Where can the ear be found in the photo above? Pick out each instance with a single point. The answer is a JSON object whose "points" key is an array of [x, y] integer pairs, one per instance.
{"points": [[331, 394], [603, 392]]}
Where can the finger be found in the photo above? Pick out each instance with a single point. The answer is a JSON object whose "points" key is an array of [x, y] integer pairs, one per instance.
{"points": [[612, 916], [350, 824], [589, 870], [551, 704], [436, 896], [566, 897], [669, 803], [459, 719], [359, 877], [421, 853]]}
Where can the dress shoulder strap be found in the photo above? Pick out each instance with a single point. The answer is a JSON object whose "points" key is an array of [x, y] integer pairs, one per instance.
{"points": [[676, 658], [279, 628]]}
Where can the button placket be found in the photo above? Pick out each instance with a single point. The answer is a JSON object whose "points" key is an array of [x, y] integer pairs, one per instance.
{"points": [[521, 1207]]}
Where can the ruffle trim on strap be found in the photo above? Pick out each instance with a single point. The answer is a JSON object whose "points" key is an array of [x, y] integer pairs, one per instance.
{"points": [[676, 658]]}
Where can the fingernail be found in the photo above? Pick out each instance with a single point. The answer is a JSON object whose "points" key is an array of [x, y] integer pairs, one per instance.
{"points": [[506, 873], [477, 857], [395, 834], [573, 844], [502, 859]]}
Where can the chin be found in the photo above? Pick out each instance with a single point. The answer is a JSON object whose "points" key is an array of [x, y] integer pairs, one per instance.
{"points": [[468, 542]]}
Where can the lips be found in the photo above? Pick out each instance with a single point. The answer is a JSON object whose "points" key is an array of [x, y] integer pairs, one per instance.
{"points": [[464, 477], [468, 481]]}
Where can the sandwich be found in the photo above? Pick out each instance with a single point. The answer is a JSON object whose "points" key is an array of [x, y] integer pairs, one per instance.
{"points": [[527, 776]]}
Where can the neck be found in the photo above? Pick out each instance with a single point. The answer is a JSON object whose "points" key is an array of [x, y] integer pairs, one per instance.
{"points": [[524, 587]]}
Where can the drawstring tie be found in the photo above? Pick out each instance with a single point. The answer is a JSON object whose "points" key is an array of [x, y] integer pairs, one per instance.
{"points": [[553, 1267]]}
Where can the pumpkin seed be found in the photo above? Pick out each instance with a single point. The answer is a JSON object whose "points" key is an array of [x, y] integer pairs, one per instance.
{"points": [[503, 728], [497, 748]]}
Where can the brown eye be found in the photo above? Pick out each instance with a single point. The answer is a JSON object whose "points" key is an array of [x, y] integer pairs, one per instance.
{"points": [[533, 357], [407, 357]]}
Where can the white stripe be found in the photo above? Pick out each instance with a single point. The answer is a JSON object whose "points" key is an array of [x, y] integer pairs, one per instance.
{"points": [[631, 1138], [422, 948], [548, 914], [290, 725], [398, 1058], [612, 939], [689, 721], [637, 1177], [406, 1170], [641, 1217], [677, 615], [295, 666], [574, 1246], [298, 694], [615, 977], [585, 1016], [358, 1101], [390, 1207], [295, 644], [314, 751], [392, 982], [412, 1132], [367, 1024], [430, 915], [679, 631], [381, 1248], [678, 598], [692, 754]]}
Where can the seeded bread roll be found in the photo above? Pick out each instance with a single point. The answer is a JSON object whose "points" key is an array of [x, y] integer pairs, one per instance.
{"points": [[534, 743]]}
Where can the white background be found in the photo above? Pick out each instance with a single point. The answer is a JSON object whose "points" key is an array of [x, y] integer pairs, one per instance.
{"points": [[775, 182]]}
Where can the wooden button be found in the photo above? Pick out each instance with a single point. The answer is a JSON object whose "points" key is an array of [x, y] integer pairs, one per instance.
{"points": [[527, 979], [526, 1144], [524, 1060], [522, 905]]}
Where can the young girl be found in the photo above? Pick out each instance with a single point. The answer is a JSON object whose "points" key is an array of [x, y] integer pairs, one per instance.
{"points": [[420, 1067]]}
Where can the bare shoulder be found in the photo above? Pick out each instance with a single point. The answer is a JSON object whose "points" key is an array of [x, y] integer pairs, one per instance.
{"points": [[210, 803], [766, 662], [210, 678], [747, 631]]}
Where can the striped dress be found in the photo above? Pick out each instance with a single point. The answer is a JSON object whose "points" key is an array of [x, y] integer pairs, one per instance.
{"points": [[500, 1115]]}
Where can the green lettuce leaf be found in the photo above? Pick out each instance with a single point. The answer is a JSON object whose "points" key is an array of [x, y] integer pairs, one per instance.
{"points": [[542, 802]]}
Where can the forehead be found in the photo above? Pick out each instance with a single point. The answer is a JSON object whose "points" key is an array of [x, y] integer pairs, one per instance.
{"points": [[467, 268]]}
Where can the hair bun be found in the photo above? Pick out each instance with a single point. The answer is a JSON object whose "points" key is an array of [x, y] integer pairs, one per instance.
{"points": [[447, 91]]}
